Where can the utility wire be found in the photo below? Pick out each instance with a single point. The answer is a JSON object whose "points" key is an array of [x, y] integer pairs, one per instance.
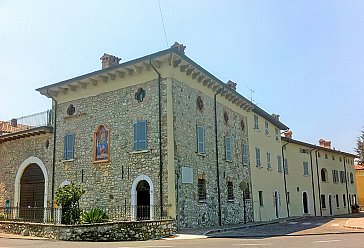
{"points": [[164, 28]]}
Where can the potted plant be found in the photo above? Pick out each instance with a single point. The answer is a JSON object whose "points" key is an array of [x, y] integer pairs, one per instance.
{"points": [[355, 208]]}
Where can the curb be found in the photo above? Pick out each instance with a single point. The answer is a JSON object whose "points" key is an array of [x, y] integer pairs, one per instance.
{"points": [[249, 225]]}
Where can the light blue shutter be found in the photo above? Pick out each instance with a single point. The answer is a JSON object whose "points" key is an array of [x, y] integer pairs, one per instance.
{"points": [[200, 139], [65, 148], [69, 146], [142, 130], [227, 148], [140, 135], [245, 154]]}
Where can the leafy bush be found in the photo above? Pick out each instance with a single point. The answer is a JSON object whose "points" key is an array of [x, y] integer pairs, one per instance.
{"points": [[2, 216], [95, 215], [68, 197]]}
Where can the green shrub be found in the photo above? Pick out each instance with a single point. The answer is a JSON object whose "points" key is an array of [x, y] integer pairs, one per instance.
{"points": [[2, 216], [68, 197], [95, 215]]}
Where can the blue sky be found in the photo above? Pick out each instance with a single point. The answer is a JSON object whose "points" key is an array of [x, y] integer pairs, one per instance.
{"points": [[303, 59]]}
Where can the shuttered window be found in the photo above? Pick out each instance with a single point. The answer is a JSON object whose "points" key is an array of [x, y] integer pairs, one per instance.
{"points": [[69, 142], [245, 154], [140, 136], [228, 148], [200, 139]]}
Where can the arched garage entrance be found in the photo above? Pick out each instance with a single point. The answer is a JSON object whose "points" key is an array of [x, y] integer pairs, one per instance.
{"points": [[31, 186]]}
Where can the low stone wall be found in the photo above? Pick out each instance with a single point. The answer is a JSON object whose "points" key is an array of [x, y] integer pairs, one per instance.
{"points": [[111, 231]]}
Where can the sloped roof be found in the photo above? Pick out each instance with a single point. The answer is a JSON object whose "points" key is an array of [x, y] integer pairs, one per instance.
{"points": [[177, 59], [6, 127]]}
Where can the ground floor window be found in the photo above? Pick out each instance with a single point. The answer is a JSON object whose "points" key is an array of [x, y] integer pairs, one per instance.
{"points": [[261, 198], [323, 201], [201, 189]]}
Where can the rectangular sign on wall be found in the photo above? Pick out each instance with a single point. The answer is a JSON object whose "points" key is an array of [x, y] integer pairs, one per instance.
{"points": [[187, 175]]}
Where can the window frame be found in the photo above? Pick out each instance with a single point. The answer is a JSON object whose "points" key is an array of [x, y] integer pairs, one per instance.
{"points": [[230, 191], [269, 163], [323, 201], [279, 163], [201, 149], [260, 195], [306, 171], [256, 122], [228, 156], [201, 190], [66, 147], [244, 158], [257, 157], [138, 141]]}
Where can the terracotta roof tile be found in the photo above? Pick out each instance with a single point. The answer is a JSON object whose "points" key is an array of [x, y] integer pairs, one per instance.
{"points": [[6, 127]]}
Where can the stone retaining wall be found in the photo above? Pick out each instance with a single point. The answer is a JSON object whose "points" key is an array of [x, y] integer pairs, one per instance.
{"points": [[115, 231]]}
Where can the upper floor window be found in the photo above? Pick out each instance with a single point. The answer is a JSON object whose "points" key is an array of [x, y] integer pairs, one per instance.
{"points": [[140, 136], [351, 178], [228, 148], [324, 175], [305, 169], [342, 177], [257, 157], [245, 154], [256, 122], [266, 128], [200, 139], [325, 156], [279, 159], [230, 191], [269, 165], [69, 143], [335, 176], [277, 134]]}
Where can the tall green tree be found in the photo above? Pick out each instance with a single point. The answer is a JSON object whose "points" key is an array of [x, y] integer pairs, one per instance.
{"points": [[360, 147]]}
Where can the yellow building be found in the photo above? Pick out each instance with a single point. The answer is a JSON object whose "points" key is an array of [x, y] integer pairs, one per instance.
{"points": [[319, 180], [359, 176]]}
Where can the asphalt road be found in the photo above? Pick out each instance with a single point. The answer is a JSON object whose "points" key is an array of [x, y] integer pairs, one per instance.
{"points": [[352, 240]]}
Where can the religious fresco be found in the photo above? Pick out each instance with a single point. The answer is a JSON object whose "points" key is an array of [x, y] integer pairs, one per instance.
{"points": [[102, 144]]}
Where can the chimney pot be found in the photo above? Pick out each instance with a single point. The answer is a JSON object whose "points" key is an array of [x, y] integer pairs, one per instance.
{"points": [[288, 134], [108, 60], [325, 143], [231, 85], [14, 122], [179, 47]]}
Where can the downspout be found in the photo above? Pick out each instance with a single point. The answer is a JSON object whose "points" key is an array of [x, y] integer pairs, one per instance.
{"points": [[217, 158], [346, 185], [54, 148], [318, 182], [313, 184], [284, 178], [160, 139]]}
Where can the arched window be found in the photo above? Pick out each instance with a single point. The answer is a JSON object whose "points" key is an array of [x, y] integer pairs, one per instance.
{"points": [[324, 175]]}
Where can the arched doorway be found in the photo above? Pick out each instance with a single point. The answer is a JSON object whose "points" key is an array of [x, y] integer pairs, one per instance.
{"points": [[143, 200], [32, 194], [276, 203], [305, 202], [31, 165]]}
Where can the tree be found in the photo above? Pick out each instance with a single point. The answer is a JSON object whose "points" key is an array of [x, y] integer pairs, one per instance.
{"points": [[68, 197], [360, 147]]}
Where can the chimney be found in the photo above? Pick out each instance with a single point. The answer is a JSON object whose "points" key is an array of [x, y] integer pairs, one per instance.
{"points": [[14, 122], [325, 143], [231, 85], [275, 116], [179, 47], [108, 60], [288, 134]]}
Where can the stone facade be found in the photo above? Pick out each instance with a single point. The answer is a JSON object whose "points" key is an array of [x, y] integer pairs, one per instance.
{"points": [[122, 231], [19, 153], [109, 184], [187, 115]]}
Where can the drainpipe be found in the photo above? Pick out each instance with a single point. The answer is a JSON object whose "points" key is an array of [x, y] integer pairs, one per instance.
{"points": [[312, 181], [54, 148], [346, 185], [284, 178], [217, 158], [318, 182], [160, 138]]}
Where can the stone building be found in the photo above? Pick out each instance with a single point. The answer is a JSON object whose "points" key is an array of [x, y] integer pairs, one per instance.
{"points": [[155, 136]]}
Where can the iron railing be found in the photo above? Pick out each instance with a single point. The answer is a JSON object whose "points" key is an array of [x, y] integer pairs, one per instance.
{"points": [[54, 215], [35, 120]]}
